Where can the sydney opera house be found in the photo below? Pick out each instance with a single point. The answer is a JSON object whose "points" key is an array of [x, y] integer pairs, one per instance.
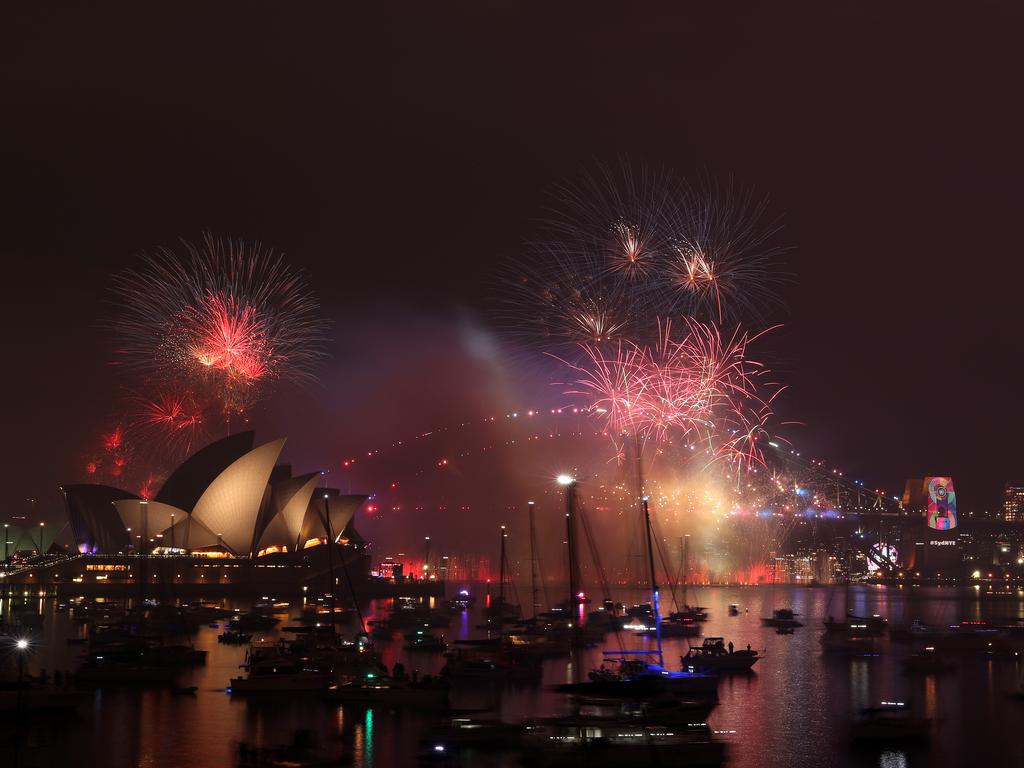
{"points": [[229, 518]]}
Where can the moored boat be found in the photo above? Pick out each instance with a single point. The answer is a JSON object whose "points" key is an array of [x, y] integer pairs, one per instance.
{"points": [[782, 618], [861, 625], [714, 656], [580, 740], [638, 679]]}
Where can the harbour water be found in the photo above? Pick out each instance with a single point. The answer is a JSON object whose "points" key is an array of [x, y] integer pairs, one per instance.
{"points": [[794, 710]]}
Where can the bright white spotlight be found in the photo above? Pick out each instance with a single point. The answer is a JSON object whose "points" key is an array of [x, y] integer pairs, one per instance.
{"points": [[22, 644], [566, 480]]}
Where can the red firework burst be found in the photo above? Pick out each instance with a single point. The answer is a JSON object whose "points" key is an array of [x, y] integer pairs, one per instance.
{"points": [[230, 336]]}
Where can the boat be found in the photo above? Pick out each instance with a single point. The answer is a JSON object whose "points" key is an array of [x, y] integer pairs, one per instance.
{"points": [[187, 690], [490, 666], [596, 742], [928, 661], [734, 609], [500, 608], [782, 618], [317, 613], [965, 636], [890, 722], [849, 644], [852, 624], [664, 710], [428, 691], [639, 679], [283, 675], [674, 626], [234, 637], [421, 640], [861, 625], [462, 601], [529, 645], [253, 621], [280, 667], [714, 656], [639, 673]]}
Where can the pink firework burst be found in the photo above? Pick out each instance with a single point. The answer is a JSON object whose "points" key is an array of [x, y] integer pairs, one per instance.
{"points": [[699, 387]]}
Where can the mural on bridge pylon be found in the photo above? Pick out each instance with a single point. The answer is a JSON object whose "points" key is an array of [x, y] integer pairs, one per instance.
{"points": [[941, 504], [882, 555]]}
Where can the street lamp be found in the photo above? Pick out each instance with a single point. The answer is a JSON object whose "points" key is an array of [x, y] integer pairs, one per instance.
{"points": [[565, 480]]}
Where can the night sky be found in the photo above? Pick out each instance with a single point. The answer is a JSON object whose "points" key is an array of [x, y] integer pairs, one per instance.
{"points": [[400, 158]]}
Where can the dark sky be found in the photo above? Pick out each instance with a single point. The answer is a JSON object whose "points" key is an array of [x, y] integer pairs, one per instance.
{"points": [[400, 157]]}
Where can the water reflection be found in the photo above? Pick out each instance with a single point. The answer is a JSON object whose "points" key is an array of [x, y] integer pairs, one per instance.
{"points": [[793, 711], [890, 759]]}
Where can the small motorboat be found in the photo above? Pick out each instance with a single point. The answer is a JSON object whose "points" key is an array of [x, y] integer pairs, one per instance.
{"points": [[928, 662], [782, 618], [734, 609], [714, 656]]}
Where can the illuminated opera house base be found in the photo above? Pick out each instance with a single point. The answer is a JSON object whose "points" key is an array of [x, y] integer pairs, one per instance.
{"points": [[230, 519], [171, 577]]}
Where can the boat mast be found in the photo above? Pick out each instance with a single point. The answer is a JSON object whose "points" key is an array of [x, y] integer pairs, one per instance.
{"points": [[501, 578], [686, 568], [570, 522], [330, 555], [654, 583], [533, 559]]}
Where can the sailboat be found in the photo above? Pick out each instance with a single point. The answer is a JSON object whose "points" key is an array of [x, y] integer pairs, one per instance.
{"points": [[500, 608], [688, 613], [641, 673], [862, 626], [856, 636], [783, 619]]}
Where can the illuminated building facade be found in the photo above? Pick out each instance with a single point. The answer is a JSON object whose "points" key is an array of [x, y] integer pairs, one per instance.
{"points": [[1013, 503]]}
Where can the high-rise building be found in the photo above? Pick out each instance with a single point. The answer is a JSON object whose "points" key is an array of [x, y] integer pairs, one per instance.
{"points": [[1013, 503]]}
